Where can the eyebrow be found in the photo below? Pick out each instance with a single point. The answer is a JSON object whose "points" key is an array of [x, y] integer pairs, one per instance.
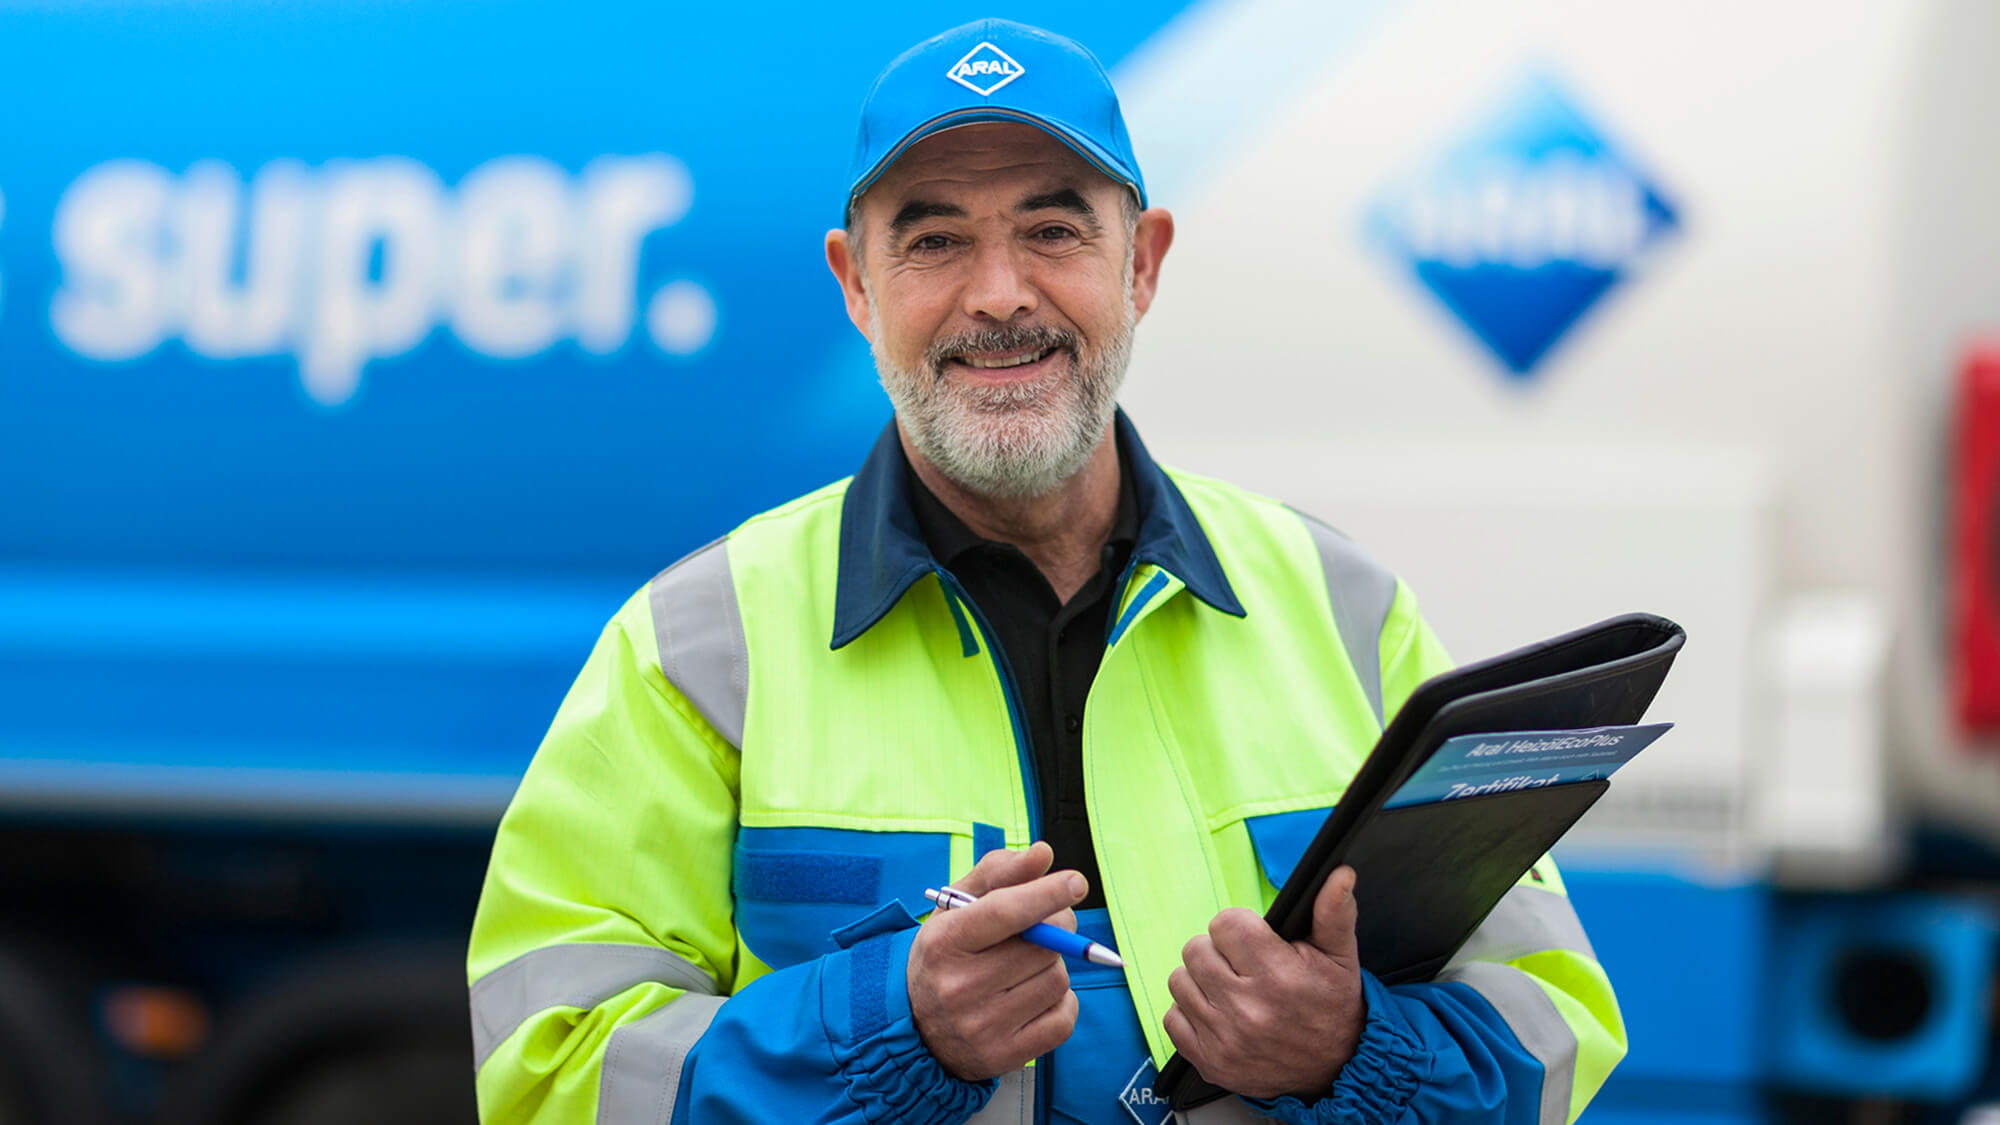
{"points": [[1062, 199], [917, 210]]}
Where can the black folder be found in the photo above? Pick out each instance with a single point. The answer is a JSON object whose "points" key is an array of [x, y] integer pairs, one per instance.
{"points": [[1427, 875]]}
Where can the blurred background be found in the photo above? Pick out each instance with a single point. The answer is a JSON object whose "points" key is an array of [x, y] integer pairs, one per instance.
{"points": [[357, 360]]}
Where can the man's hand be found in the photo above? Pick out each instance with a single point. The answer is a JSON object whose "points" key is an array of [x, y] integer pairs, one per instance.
{"points": [[1263, 1016], [985, 1002]]}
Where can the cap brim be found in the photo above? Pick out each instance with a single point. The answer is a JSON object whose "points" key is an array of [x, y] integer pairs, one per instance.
{"points": [[1069, 135]]}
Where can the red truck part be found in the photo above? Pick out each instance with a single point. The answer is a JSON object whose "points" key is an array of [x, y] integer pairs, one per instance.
{"points": [[1975, 608]]}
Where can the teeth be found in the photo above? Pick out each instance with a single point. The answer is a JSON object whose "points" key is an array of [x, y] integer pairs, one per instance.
{"points": [[990, 364]]}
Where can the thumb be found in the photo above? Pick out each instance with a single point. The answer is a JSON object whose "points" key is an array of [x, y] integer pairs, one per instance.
{"points": [[1334, 914], [1003, 868], [1007, 911]]}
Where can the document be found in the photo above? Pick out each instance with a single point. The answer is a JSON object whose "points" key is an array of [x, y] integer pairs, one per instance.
{"points": [[1475, 765], [1483, 769]]}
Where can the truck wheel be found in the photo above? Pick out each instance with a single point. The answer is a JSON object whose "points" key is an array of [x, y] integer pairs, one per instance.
{"points": [[419, 1084], [382, 1037], [46, 1059]]}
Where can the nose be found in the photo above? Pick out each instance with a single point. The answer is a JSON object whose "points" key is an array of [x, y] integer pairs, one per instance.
{"points": [[999, 288]]}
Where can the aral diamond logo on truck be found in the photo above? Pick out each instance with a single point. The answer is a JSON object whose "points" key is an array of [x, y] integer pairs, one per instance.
{"points": [[1524, 223]]}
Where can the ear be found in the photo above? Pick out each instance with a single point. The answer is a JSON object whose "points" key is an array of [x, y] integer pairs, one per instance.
{"points": [[1150, 241], [846, 267]]}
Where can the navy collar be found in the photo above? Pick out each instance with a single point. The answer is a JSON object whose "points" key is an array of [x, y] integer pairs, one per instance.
{"points": [[882, 549]]}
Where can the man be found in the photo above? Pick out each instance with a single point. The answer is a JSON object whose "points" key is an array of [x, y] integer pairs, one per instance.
{"points": [[701, 903]]}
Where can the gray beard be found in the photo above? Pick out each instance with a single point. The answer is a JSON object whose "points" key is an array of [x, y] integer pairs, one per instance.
{"points": [[1011, 441]]}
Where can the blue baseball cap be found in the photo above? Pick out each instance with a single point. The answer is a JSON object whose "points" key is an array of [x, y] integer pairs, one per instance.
{"points": [[994, 70]]}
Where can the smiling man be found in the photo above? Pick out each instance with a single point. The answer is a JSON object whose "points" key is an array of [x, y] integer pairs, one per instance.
{"points": [[1014, 654]]}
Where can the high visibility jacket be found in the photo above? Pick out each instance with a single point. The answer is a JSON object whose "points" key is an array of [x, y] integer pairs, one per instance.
{"points": [[701, 900]]}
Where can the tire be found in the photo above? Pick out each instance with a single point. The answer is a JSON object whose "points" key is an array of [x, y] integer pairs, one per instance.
{"points": [[376, 1036], [49, 1066]]}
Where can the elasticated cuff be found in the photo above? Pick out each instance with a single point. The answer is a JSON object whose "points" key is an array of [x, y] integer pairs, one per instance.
{"points": [[1377, 1083], [891, 1076]]}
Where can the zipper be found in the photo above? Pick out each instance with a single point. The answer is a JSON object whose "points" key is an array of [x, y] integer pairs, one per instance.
{"points": [[1115, 624], [1031, 784]]}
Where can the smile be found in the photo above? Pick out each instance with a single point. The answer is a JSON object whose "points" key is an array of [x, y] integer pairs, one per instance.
{"points": [[1002, 362]]}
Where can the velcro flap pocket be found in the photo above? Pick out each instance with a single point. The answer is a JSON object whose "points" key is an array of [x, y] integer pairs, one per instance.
{"points": [[795, 887]]}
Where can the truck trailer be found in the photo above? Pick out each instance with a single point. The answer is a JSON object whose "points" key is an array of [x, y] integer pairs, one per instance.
{"points": [[357, 361]]}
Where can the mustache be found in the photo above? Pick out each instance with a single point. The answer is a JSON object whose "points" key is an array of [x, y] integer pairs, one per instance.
{"points": [[1017, 337]]}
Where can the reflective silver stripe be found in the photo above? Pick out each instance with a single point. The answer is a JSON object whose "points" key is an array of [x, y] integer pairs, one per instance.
{"points": [[1223, 1111], [1012, 1104], [575, 975], [1528, 920], [1361, 592], [642, 1063], [1533, 1018], [699, 627]]}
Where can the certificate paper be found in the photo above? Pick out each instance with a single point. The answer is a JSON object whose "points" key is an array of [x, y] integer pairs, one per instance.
{"points": [[1474, 765]]}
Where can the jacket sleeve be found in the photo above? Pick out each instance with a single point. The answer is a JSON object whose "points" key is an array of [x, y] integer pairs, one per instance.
{"points": [[1523, 1015], [607, 980]]}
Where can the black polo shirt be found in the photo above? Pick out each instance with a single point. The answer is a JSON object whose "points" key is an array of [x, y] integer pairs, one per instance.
{"points": [[1052, 648]]}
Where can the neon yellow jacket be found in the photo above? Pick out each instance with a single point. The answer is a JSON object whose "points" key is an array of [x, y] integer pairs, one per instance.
{"points": [[700, 900]]}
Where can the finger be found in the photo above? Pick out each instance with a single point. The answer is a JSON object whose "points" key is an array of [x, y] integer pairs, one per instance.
{"points": [[1050, 1028], [1003, 913], [1063, 920], [1334, 916], [1187, 1038], [1209, 969], [1188, 995], [1245, 940], [1003, 868], [1007, 964], [968, 981], [1039, 989]]}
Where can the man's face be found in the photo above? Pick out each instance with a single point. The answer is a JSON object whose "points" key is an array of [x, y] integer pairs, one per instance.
{"points": [[993, 273]]}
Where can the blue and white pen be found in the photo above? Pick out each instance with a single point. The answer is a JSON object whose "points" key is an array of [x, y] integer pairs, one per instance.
{"points": [[1041, 933]]}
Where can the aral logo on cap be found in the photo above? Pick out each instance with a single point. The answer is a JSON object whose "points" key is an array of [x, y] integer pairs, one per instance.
{"points": [[984, 69]]}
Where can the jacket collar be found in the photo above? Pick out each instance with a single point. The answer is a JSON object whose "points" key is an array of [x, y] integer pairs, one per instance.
{"points": [[882, 550]]}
